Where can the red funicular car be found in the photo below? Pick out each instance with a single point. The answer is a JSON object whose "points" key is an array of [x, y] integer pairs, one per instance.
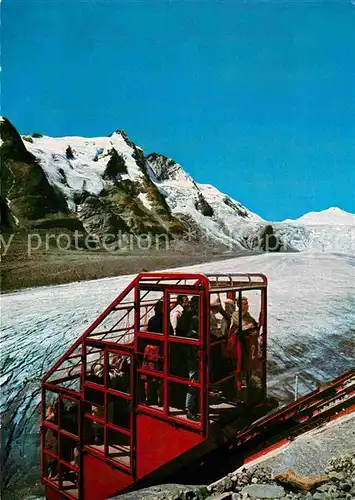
{"points": [[169, 371]]}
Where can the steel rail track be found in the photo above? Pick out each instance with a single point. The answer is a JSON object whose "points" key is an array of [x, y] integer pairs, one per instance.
{"points": [[284, 425]]}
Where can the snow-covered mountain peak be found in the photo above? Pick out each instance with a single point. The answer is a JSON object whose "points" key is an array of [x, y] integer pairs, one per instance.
{"points": [[75, 164], [330, 216]]}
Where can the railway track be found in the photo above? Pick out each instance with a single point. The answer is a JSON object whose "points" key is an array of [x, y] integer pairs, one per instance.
{"points": [[309, 412], [278, 428]]}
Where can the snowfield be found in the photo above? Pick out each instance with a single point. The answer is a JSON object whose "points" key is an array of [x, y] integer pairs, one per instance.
{"points": [[330, 216], [332, 229], [85, 170], [311, 333]]}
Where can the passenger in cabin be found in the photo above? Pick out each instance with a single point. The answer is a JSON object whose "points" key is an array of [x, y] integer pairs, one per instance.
{"points": [[51, 445], [96, 399], [248, 322], [68, 422], [119, 374], [156, 323], [229, 309], [215, 308], [216, 333], [249, 325], [176, 313], [152, 385], [226, 364], [119, 380], [191, 358], [194, 327], [96, 374]]}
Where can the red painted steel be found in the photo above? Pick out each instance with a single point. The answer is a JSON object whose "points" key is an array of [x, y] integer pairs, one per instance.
{"points": [[159, 442], [102, 480], [156, 436]]}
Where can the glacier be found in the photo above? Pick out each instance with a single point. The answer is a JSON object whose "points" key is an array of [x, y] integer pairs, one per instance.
{"points": [[311, 307]]}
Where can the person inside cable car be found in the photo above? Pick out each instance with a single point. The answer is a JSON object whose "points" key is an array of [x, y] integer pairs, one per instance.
{"points": [[217, 332], [229, 309], [191, 357], [182, 302], [249, 325], [156, 322], [215, 308], [152, 385], [51, 445], [119, 374], [248, 322]]}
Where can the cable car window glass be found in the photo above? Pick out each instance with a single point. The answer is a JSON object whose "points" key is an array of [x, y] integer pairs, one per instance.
{"points": [[119, 372], [95, 370], [184, 400], [117, 325], [119, 411], [94, 397], [50, 467], [69, 480], [251, 375], [150, 354], [118, 447], [150, 358], [184, 315], [51, 403], [151, 391], [183, 358], [94, 434], [69, 416], [68, 447]]}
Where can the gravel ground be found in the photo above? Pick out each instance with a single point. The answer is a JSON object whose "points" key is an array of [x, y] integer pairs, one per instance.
{"points": [[337, 483], [326, 454]]}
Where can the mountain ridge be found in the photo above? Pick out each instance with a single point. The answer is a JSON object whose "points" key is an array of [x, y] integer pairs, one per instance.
{"points": [[331, 215], [107, 184]]}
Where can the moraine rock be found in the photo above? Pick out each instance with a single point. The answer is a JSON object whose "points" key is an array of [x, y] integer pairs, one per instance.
{"points": [[98, 218], [263, 491]]}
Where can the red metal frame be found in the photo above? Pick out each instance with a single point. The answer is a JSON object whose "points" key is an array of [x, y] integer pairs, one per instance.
{"points": [[73, 366]]}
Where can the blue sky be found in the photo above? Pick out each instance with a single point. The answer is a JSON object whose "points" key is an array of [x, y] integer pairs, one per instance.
{"points": [[257, 98]]}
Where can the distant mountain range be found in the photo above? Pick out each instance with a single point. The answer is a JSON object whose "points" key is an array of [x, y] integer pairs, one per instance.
{"points": [[330, 216], [107, 184]]}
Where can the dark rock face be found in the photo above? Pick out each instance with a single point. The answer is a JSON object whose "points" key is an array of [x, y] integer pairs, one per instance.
{"points": [[98, 218], [115, 166], [241, 211], [69, 153], [203, 206], [13, 147], [23, 181], [162, 167], [6, 219], [269, 242], [264, 239]]}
